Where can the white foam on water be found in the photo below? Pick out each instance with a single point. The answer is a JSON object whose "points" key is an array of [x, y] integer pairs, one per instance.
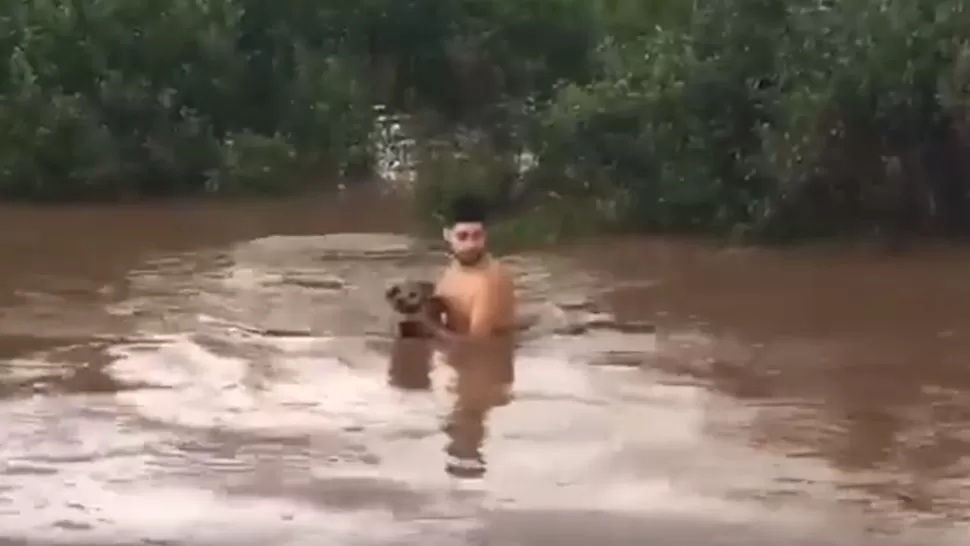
{"points": [[127, 515], [551, 448], [565, 443], [295, 394]]}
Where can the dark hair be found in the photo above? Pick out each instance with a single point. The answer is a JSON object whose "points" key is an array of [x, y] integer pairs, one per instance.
{"points": [[467, 208]]}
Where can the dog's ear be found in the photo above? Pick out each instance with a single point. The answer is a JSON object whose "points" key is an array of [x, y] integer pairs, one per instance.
{"points": [[425, 288]]}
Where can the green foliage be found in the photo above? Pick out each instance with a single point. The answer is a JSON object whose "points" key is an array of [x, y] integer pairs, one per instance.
{"points": [[775, 118], [109, 98], [446, 169], [772, 118]]}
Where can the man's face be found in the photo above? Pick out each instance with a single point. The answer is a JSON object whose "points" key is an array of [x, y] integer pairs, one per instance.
{"points": [[467, 241]]}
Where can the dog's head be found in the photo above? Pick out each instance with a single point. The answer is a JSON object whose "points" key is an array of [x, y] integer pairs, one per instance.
{"points": [[408, 297]]}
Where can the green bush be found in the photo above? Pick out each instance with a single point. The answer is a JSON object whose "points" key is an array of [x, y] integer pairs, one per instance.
{"points": [[777, 119], [109, 98], [782, 119]]}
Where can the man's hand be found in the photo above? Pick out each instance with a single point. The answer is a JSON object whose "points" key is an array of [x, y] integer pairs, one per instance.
{"points": [[434, 326]]}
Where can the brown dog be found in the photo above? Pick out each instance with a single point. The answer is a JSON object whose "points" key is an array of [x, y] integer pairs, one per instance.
{"points": [[412, 298], [411, 353]]}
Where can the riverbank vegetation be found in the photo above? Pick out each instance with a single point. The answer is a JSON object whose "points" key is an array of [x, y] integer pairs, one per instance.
{"points": [[765, 118]]}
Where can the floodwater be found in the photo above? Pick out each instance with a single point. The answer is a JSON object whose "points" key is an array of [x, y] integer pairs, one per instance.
{"points": [[217, 374]]}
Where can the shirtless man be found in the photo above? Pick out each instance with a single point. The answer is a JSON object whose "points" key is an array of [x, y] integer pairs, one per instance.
{"points": [[477, 332], [476, 289]]}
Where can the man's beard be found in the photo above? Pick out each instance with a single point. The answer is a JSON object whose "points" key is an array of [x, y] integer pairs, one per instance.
{"points": [[469, 259]]}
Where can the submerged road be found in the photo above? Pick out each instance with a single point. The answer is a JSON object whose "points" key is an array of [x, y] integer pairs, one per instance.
{"points": [[172, 391]]}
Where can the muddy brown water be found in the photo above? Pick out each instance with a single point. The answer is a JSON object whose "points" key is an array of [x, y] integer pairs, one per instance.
{"points": [[207, 373]]}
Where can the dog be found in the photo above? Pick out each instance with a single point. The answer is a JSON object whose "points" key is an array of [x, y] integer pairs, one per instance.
{"points": [[411, 352], [412, 298]]}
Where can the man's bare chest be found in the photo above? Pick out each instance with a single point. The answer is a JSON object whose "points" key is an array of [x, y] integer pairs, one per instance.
{"points": [[459, 294]]}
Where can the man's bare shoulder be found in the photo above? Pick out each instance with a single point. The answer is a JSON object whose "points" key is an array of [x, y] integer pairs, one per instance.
{"points": [[495, 274], [444, 278], [500, 274], [500, 267]]}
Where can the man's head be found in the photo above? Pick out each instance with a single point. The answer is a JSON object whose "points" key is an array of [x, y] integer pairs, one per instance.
{"points": [[465, 231]]}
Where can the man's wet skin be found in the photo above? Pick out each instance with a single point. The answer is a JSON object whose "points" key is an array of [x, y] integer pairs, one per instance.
{"points": [[476, 379], [483, 380]]}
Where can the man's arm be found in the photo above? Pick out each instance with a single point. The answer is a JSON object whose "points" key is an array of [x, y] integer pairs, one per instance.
{"points": [[481, 323], [436, 321], [488, 306], [481, 320], [440, 331], [479, 327]]}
